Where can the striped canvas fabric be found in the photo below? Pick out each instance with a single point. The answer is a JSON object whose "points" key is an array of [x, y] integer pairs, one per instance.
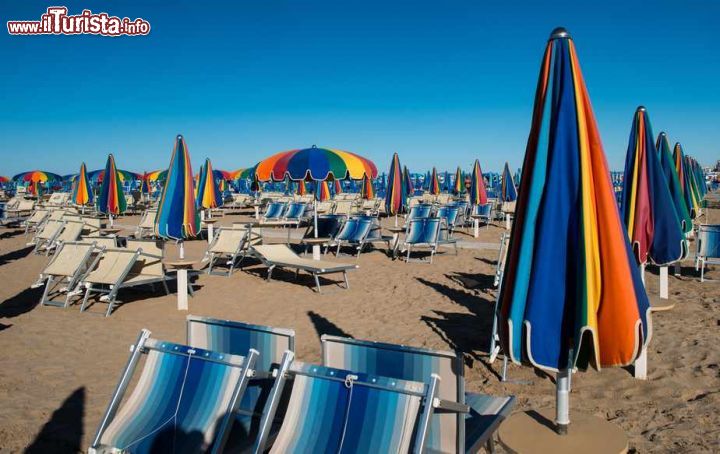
{"points": [[328, 415], [423, 231], [178, 402], [406, 363]]}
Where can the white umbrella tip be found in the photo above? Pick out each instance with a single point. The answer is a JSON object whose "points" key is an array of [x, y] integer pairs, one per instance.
{"points": [[641, 109], [560, 33], [179, 137]]}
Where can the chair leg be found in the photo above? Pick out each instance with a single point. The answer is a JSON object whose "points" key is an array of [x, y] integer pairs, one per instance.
{"points": [[317, 282], [165, 286], [83, 306], [46, 291], [347, 283], [270, 270], [490, 445]]}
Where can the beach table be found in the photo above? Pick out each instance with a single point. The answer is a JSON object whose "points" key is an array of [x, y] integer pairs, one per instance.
{"points": [[315, 242], [182, 266], [476, 224], [210, 228], [110, 231]]}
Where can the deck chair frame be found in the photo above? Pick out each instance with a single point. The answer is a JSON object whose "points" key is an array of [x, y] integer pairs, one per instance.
{"points": [[408, 247], [73, 280], [239, 253]]}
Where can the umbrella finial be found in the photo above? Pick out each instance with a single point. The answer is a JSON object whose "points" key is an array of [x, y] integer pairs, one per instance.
{"points": [[641, 109], [179, 137], [559, 33]]}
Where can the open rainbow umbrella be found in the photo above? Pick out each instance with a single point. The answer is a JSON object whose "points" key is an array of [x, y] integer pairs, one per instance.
{"points": [[434, 183], [97, 176], [508, 192], [145, 184], [673, 183], [395, 193], [366, 190], [322, 191], [459, 185], [647, 208], [177, 217], [111, 199], [571, 292], [478, 193], [408, 186], [314, 164], [4, 179], [82, 192], [36, 176], [208, 194]]}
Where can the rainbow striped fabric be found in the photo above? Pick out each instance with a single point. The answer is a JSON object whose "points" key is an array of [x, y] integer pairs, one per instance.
{"points": [[82, 192], [301, 187], [408, 183], [508, 192], [571, 292], [647, 207], [459, 185], [337, 187], [395, 193], [177, 217], [36, 176], [673, 182], [434, 187], [208, 193], [322, 191], [111, 199], [315, 164], [367, 191], [478, 194]]}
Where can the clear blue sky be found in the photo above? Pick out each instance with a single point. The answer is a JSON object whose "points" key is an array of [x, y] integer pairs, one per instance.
{"points": [[440, 82]]}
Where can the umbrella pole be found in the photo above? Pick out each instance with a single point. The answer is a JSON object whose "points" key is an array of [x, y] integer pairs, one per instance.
{"points": [[664, 282], [316, 247], [182, 250], [562, 401], [111, 219]]}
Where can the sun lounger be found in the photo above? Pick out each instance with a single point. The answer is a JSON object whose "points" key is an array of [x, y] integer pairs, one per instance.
{"points": [[295, 212], [334, 410], [70, 231], [281, 256], [422, 232], [272, 344], [17, 210], [484, 213], [64, 271], [343, 207], [46, 235], [58, 199], [708, 248], [183, 401], [146, 226], [467, 422], [422, 210], [118, 268], [357, 232], [36, 219], [230, 245], [100, 241], [450, 215], [274, 211]]}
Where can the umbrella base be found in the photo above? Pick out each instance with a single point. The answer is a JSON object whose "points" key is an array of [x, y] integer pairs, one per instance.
{"points": [[534, 432], [658, 304]]}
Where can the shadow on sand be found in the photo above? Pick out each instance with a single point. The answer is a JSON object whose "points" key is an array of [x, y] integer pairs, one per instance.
{"points": [[325, 326], [63, 432]]}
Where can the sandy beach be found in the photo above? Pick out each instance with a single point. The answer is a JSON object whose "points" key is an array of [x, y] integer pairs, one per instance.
{"points": [[59, 367]]}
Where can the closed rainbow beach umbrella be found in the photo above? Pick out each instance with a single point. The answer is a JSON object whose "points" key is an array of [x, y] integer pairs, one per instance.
{"points": [[82, 192], [478, 193], [322, 191], [696, 180], [673, 182], [434, 186], [208, 194], [459, 185], [647, 209], [408, 183], [337, 187], [366, 190], [395, 193], [301, 187], [508, 191], [571, 294], [111, 199], [177, 218], [685, 180]]}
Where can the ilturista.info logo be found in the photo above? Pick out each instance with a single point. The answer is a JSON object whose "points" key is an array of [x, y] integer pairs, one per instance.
{"points": [[57, 22]]}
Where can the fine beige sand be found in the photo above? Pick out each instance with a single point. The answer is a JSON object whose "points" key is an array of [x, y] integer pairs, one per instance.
{"points": [[59, 367]]}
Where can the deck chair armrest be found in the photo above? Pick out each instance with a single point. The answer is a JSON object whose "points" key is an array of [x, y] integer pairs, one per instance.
{"points": [[152, 256], [448, 406]]}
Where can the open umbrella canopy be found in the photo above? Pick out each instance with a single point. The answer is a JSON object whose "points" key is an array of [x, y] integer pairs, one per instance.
{"points": [[156, 175], [395, 193], [36, 176], [673, 183], [434, 185], [111, 199], [571, 292], [478, 193], [647, 209], [322, 191], [315, 164], [4, 179], [97, 176], [177, 217], [82, 193], [366, 190], [508, 191], [208, 193]]}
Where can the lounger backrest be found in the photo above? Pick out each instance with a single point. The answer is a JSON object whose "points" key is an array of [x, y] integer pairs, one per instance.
{"points": [[180, 401], [50, 229], [145, 264], [420, 211], [225, 336], [423, 231], [37, 216], [709, 241], [407, 363], [68, 258], [148, 220], [329, 412], [154, 247], [508, 207], [100, 241], [482, 210], [112, 265], [449, 213], [228, 241], [26, 205], [274, 210], [343, 207], [295, 210], [348, 229], [71, 231]]}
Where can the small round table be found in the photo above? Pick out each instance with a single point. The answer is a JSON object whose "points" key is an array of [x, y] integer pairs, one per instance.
{"points": [[110, 231], [182, 266], [210, 228], [257, 206], [395, 238], [315, 243]]}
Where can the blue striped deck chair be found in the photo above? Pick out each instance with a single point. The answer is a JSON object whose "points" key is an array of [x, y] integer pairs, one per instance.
{"points": [[421, 232], [448, 215], [484, 213], [463, 422], [357, 232], [182, 402], [236, 338], [421, 210], [295, 212], [339, 411], [274, 211], [328, 226], [708, 247]]}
